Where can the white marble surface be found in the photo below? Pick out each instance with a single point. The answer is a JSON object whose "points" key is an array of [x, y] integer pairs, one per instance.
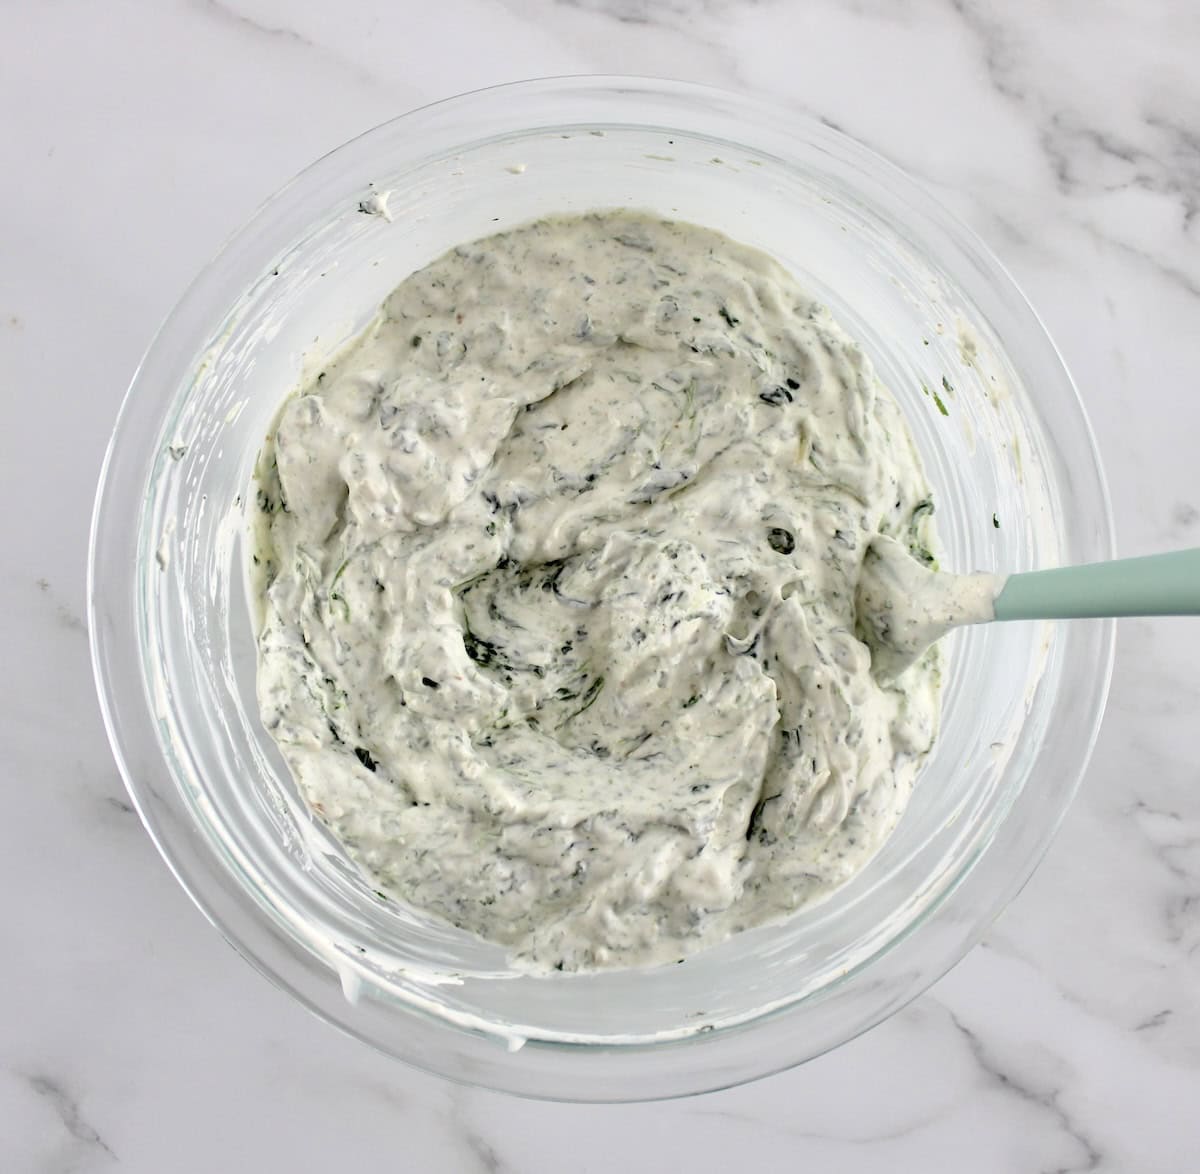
{"points": [[136, 135]]}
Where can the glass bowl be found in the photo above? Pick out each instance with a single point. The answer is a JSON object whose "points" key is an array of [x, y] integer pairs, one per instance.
{"points": [[1005, 441]]}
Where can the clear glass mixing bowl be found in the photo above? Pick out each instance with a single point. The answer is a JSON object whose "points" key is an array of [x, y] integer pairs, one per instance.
{"points": [[1004, 438]]}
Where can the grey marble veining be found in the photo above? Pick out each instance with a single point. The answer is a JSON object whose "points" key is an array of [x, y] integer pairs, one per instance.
{"points": [[1068, 135]]}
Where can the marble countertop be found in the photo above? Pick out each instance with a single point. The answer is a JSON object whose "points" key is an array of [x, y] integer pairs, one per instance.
{"points": [[137, 135]]}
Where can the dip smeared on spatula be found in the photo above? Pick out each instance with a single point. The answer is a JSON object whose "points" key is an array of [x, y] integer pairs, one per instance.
{"points": [[905, 606]]}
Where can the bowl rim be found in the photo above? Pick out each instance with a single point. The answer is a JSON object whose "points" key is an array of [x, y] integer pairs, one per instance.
{"points": [[130, 719]]}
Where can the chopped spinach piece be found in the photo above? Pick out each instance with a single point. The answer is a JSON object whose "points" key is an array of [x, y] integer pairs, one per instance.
{"points": [[781, 540], [776, 397]]}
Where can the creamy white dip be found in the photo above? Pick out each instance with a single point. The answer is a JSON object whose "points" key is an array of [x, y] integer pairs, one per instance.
{"points": [[558, 567]]}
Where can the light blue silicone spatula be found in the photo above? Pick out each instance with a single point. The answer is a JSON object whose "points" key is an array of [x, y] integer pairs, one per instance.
{"points": [[904, 607], [1155, 585]]}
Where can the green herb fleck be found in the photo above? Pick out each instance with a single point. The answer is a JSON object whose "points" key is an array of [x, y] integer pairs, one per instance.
{"points": [[780, 540], [777, 396], [996, 521], [941, 407], [589, 699], [484, 652]]}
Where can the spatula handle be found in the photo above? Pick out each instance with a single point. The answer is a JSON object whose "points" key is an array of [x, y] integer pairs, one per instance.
{"points": [[1157, 585]]}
